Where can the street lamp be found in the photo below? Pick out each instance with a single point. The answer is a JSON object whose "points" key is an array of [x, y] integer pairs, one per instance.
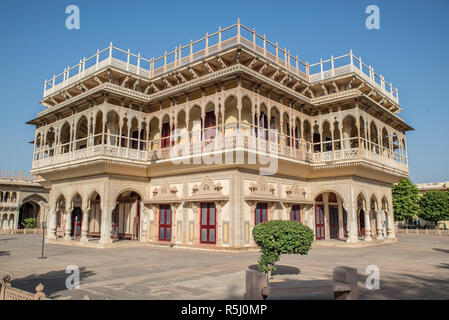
{"points": [[44, 226]]}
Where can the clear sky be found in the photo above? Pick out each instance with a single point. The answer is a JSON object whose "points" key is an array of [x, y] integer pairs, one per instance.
{"points": [[411, 50]]}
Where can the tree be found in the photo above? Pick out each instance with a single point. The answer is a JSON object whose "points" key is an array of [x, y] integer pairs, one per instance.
{"points": [[405, 200], [29, 223], [434, 206], [281, 237]]}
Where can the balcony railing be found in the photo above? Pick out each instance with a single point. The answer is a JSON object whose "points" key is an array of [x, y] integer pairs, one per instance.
{"points": [[236, 34], [16, 176], [234, 136]]}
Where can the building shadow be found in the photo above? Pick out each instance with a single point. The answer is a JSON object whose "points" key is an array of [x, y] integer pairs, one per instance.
{"points": [[53, 281], [7, 239], [441, 250], [5, 253], [280, 269]]}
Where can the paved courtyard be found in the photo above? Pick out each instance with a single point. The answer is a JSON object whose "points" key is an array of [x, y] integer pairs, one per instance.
{"points": [[415, 267]]}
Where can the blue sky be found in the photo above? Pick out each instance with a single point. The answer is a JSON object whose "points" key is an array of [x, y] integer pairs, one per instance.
{"points": [[410, 50]]}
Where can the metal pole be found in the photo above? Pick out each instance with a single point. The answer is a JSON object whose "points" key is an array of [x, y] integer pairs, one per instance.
{"points": [[44, 225]]}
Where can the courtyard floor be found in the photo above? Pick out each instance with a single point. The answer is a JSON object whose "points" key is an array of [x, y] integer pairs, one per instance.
{"points": [[415, 267]]}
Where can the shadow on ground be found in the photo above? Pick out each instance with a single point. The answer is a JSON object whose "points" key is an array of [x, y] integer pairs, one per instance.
{"points": [[408, 286], [5, 253], [53, 281], [441, 250], [280, 269]]}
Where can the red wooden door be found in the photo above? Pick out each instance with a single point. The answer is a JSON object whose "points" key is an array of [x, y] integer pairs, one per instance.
{"points": [[261, 213], [295, 213], [319, 222], [208, 223], [165, 223], [333, 222]]}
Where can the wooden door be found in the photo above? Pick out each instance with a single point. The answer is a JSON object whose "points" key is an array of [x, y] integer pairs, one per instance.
{"points": [[261, 213], [295, 213], [333, 222], [208, 223], [319, 222], [165, 223]]}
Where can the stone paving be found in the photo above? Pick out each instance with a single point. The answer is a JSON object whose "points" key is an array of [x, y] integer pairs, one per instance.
{"points": [[415, 267]]}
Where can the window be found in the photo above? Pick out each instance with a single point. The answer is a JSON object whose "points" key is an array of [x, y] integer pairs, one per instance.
{"points": [[208, 223]]}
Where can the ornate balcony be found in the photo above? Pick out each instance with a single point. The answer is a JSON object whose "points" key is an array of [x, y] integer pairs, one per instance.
{"points": [[217, 139]]}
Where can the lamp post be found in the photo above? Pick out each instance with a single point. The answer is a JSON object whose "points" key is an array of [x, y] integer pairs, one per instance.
{"points": [[44, 226]]}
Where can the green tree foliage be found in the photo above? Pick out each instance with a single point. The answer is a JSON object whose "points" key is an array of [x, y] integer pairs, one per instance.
{"points": [[29, 223], [405, 200], [434, 206], [281, 237]]}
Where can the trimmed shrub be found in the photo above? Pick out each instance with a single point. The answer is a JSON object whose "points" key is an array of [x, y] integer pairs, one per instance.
{"points": [[281, 237]]}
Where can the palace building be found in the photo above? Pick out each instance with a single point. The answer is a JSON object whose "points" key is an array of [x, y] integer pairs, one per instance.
{"points": [[196, 147], [21, 197]]}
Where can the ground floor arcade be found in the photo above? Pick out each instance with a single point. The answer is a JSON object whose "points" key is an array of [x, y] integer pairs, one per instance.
{"points": [[217, 209]]}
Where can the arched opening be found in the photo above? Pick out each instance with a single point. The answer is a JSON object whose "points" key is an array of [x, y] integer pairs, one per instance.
{"points": [[13, 197], [385, 143], [327, 137], [275, 125], [49, 143], [126, 216], [231, 116], [134, 132], [28, 210], [297, 133], [124, 136], [308, 135], [112, 128], [374, 138], [246, 121], [166, 132], [98, 130], [316, 139], [6, 197], [155, 134], [210, 122], [195, 125], [385, 217], [181, 129], [64, 139], [350, 134], [5, 222], [76, 216], [94, 224], [81, 134], [337, 138], [286, 134], [262, 123], [330, 217], [37, 147], [396, 151]]}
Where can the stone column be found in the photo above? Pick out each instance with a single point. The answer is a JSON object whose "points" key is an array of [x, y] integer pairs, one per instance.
{"points": [[379, 225], [352, 226], [85, 225], [106, 223], [68, 223], [326, 215], [51, 224], [341, 226], [390, 225], [367, 225]]}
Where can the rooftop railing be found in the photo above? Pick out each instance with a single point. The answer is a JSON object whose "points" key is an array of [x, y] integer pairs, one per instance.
{"points": [[211, 44], [16, 176]]}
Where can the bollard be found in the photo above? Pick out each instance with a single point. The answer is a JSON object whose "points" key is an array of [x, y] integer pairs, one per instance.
{"points": [[255, 282], [348, 276]]}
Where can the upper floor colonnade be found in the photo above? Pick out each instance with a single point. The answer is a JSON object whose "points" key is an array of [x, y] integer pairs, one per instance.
{"points": [[233, 112]]}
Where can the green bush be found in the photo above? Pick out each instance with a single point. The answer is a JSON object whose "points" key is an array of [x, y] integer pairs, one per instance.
{"points": [[29, 223], [281, 237]]}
